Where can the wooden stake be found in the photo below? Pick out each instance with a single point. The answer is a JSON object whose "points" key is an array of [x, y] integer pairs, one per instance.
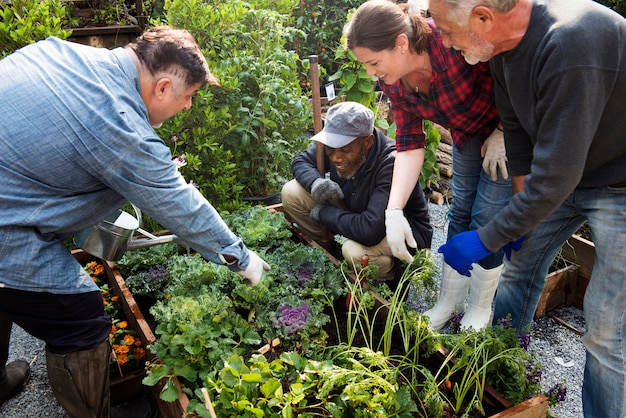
{"points": [[317, 111], [207, 403]]}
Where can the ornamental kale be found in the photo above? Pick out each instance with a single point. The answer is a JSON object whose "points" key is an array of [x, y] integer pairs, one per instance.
{"points": [[149, 283], [291, 318], [258, 227]]}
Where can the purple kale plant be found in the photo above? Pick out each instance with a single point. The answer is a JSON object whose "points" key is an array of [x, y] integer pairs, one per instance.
{"points": [[303, 274], [290, 319]]}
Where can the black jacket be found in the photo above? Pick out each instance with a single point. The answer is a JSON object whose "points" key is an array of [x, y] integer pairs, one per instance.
{"points": [[365, 195]]}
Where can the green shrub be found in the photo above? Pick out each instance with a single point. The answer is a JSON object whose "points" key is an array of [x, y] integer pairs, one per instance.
{"points": [[239, 138], [25, 22]]}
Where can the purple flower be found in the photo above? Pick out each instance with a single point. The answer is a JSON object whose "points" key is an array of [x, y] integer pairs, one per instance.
{"points": [[533, 373], [524, 341], [292, 319], [557, 393]]}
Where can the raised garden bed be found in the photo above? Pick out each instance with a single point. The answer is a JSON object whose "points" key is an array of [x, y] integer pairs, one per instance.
{"points": [[567, 285], [532, 408], [124, 389]]}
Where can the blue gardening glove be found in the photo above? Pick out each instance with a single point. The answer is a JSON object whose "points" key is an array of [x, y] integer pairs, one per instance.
{"points": [[326, 191], [462, 250], [513, 246]]}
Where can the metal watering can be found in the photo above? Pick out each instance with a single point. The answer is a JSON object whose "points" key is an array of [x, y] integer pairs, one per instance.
{"points": [[112, 237]]}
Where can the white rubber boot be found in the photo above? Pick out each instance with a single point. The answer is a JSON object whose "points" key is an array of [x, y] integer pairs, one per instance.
{"points": [[483, 285], [452, 294]]}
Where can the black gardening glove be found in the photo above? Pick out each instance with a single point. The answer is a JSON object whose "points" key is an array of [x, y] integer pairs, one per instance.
{"points": [[326, 191]]}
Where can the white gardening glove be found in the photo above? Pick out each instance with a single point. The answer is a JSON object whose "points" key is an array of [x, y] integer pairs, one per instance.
{"points": [[399, 234], [494, 155], [326, 191], [255, 269]]}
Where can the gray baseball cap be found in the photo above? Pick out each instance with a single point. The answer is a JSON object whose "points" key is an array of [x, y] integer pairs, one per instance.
{"points": [[345, 122]]}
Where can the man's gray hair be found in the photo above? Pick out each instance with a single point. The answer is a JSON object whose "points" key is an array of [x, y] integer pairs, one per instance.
{"points": [[460, 10]]}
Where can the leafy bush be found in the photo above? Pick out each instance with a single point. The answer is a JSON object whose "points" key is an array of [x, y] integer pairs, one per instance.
{"points": [[24, 22], [239, 138], [320, 24]]}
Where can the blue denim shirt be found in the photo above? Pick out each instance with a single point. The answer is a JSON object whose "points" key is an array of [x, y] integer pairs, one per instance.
{"points": [[76, 144]]}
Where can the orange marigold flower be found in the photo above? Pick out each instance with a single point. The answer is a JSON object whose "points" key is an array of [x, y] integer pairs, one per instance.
{"points": [[129, 339], [114, 298], [137, 342], [122, 359], [139, 352], [113, 329], [122, 324], [121, 349]]}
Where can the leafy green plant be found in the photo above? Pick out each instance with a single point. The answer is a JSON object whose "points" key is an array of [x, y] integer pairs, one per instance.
{"points": [[239, 138], [26, 21], [493, 355], [356, 85], [210, 326], [320, 25]]}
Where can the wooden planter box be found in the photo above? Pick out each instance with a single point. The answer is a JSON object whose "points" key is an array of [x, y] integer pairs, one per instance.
{"points": [[105, 36], [532, 408], [138, 323], [567, 286]]}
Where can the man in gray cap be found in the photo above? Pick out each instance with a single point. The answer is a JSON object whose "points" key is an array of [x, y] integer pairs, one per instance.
{"points": [[351, 197]]}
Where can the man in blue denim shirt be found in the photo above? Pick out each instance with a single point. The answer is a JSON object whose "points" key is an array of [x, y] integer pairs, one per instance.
{"points": [[77, 142]]}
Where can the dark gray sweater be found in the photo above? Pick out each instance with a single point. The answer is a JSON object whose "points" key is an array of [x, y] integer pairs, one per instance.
{"points": [[561, 95]]}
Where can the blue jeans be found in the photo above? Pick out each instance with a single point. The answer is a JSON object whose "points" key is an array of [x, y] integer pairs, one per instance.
{"points": [[476, 198], [523, 278]]}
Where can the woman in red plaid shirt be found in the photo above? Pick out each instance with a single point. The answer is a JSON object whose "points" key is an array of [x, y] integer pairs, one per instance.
{"points": [[426, 81]]}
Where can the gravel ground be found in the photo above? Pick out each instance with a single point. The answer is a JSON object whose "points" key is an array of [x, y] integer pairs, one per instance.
{"points": [[558, 348]]}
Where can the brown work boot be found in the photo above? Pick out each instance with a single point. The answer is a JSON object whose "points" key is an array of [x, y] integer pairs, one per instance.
{"points": [[13, 378]]}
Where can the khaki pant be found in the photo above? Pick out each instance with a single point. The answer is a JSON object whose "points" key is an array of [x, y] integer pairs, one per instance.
{"points": [[298, 203]]}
